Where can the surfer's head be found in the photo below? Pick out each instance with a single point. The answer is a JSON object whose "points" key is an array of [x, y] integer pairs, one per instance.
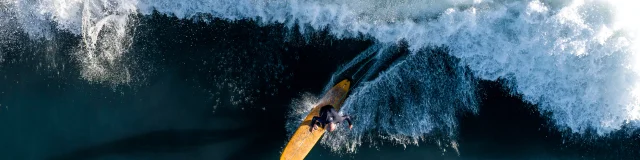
{"points": [[331, 127]]}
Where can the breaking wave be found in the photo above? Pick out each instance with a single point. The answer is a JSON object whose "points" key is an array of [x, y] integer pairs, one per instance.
{"points": [[578, 60]]}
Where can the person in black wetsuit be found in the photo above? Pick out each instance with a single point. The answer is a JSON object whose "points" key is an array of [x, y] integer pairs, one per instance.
{"points": [[329, 118]]}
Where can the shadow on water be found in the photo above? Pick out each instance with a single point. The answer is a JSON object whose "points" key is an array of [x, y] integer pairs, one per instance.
{"points": [[161, 141]]}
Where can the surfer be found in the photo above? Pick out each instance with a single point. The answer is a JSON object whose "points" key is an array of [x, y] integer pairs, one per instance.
{"points": [[329, 117]]}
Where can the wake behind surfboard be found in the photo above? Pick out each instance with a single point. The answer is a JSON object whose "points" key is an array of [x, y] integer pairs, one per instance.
{"points": [[302, 141]]}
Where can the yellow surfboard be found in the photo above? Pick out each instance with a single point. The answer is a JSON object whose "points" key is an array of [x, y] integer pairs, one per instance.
{"points": [[303, 140]]}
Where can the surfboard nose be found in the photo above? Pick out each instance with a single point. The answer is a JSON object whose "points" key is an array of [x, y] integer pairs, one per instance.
{"points": [[345, 84]]}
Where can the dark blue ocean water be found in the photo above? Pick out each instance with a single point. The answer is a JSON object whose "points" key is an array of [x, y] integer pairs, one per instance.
{"points": [[185, 102]]}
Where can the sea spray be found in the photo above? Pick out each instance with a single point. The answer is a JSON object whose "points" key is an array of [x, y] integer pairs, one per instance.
{"points": [[416, 99], [298, 110]]}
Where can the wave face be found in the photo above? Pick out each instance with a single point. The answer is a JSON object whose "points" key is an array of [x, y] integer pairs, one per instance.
{"points": [[418, 94], [577, 60]]}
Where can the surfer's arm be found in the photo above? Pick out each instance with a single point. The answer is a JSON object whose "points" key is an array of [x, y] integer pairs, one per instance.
{"points": [[348, 119], [314, 120]]}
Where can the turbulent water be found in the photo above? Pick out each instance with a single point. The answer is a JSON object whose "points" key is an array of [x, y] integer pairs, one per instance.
{"points": [[577, 61]]}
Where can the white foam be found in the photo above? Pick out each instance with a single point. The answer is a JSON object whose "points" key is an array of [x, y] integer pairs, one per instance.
{"points": [[576, 59], [102, 24], [407, 102]]}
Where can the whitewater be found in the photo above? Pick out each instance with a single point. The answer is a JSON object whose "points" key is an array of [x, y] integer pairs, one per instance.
{"points": [[578, 60]]}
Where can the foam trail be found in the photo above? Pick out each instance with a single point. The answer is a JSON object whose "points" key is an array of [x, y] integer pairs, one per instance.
{"points": [[349, 69]]}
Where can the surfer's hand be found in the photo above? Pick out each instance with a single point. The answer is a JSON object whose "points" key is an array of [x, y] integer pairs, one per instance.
{"points": [[350, 126], [313, 128]]}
